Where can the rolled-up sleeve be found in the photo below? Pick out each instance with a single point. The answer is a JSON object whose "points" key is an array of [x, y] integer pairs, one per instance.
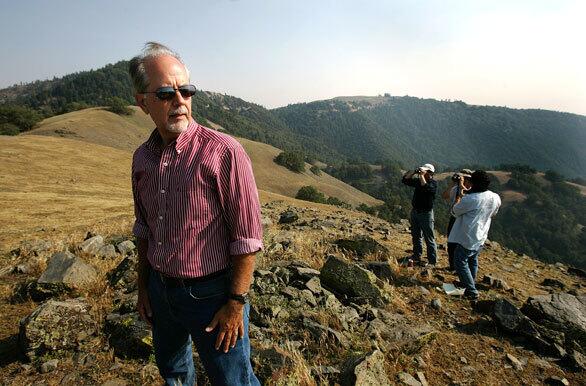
{"points": [[140, 228], [239, 200]]}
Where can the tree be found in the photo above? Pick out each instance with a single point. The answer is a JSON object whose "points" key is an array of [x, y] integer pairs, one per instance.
{"points": [[23, 118], [315, 170], [8, 129], [118, 106], [310, 193], [292, 160]]}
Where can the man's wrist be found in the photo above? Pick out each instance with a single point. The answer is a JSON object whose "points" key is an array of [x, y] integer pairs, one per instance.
{"points": [[241, 298]]}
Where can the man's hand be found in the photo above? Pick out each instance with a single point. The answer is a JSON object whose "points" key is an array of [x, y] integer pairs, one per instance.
{"points": [[230, 320], [144, 306]]}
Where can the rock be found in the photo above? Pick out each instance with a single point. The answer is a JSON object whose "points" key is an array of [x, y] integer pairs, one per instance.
{"points": [[560, 312], [575, 361], [124, 276], [288, 217], [323, 333], [351, 280], [307, 296], [382, 269], [65, 269], [56, 326], [418, 360], [437, 304], [366, 370], [30, 248], [125, 247], [314, 285], [515, 362], [424, 291], [421, 378], [577, 272], [324, 371], [49, 366], [407, 379], [129, 335], [555, 283], [362, 246], [92, 245], [268, 361], [107, 252], [557, 381], [495, 282]]}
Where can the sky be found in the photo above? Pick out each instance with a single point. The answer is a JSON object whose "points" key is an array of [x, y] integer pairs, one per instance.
{"points": [[521, 54]]}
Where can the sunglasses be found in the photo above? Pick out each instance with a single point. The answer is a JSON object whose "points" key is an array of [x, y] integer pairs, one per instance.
{"points": [[167, 93]]}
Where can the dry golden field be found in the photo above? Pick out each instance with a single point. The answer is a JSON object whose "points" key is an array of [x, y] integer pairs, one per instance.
{"points": [[72, 174]]}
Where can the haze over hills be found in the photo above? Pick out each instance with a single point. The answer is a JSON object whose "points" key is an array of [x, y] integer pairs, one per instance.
{"points": [[406, 129]]}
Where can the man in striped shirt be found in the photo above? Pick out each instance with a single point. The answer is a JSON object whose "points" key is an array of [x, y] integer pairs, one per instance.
{"points": [[198, 229]]}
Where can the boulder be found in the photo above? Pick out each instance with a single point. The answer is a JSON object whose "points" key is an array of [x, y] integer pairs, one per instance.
{"points": [[65, 269], [362, 246], [326, 334], [560, 312], [56, 326], [125, 247], [382, 269], [92, 245], [365, 370], [267, 361], [129, 335], [107, 251], [124, 276], [554, 283], [288, 217], [351, 280]]}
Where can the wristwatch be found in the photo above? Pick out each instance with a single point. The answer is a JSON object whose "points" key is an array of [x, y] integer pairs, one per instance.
{"points": [[240, 298]]}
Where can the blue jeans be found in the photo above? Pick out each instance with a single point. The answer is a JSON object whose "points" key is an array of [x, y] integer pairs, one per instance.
{"points": [[422, 224], [181, 314], [466, 262]]}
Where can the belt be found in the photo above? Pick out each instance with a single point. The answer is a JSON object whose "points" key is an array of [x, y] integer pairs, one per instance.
{"points": [[174, 282]]}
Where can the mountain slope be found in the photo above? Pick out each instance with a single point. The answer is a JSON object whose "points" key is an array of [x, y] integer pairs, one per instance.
{"points": [[417, 130]]}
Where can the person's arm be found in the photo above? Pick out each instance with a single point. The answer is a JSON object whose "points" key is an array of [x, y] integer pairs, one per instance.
{"points": [[422, 179], [144, 268], [407, 178], [141, 231], [464, 205], [241, 208], [230, 317]]}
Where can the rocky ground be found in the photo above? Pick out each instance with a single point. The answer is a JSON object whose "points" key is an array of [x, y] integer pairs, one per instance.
{"points": [[331, 304]]}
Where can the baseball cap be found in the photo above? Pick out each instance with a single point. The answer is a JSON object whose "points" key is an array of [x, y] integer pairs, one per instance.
{"points": [[428, 167]]}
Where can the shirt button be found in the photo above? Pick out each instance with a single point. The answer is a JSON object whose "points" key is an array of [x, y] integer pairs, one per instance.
{"points": [[158, 266], [160, 243], [165, 164], [160, 217], [162, 190]]}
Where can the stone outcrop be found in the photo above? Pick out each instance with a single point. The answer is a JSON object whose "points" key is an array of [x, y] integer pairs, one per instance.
{"points": [[66, 270], [129, 335], [56, 326], [351, 280], [366, 370]]}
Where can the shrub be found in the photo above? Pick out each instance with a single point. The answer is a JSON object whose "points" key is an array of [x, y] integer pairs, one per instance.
{"points": [[23, 118], [8, 129], [315, 170], [118, 106], [310, 193], [337, 202], [292, 160]]}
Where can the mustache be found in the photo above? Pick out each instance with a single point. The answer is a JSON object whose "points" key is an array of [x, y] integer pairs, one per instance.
{"points": [[178, 111]]}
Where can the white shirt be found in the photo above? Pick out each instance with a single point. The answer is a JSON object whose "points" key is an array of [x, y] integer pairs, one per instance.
{"points": [[473, 216]]}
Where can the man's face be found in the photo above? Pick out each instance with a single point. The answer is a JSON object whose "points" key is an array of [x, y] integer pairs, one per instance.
{"points": [[170, 116]]}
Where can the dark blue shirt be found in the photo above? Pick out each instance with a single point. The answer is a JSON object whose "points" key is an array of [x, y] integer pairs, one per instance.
{"points": [[423, 196]]}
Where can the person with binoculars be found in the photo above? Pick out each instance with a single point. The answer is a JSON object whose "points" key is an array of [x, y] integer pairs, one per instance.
{"points": [[422, 219], [460, 184]]}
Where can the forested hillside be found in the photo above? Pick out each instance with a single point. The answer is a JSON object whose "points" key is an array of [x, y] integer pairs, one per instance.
{"points": [[417, 130]]}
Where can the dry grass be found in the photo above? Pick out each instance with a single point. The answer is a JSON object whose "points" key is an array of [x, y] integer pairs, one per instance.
{"points": [[56, 187]]}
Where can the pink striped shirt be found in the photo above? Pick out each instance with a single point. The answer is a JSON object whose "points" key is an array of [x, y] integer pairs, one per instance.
{"points": [[195, 202]]}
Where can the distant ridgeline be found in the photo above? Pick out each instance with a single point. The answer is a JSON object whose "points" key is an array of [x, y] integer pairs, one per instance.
{"points": [[408, 129]]}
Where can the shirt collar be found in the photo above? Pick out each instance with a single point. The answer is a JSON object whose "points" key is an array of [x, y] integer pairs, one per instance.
{"points": [[155, 140]]}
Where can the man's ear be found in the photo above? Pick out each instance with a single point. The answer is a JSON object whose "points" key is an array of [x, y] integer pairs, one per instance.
{"points": [[140, 102]]}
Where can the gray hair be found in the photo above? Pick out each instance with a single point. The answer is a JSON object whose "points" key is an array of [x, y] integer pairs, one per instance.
{"points": [[136, 67]]}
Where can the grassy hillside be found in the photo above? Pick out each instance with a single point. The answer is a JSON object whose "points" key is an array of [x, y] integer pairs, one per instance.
{"points": [[73, 172]]}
